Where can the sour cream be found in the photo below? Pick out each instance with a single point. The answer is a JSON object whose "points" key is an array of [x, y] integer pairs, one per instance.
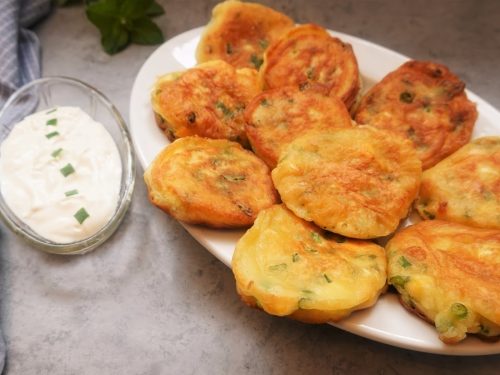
{"points": [[60, 173]]}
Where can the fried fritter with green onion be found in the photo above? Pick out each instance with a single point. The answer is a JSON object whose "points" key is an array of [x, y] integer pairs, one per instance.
{"points": [[275, 117], [424, 102], [240, 32], [464, 187], [289, 267], [207, 100], [358, 182], [449, 274], [308, 57], [213, 182]]}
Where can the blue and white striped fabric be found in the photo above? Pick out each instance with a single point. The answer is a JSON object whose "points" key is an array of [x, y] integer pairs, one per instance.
{"points": [[19, 57], [19, 47]]}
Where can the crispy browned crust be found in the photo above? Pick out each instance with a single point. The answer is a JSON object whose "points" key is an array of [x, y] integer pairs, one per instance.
{"points": [[424, 102], [276, 117], [464, 187], [239, 33], [435, 264], [310, 58], [211, 182], [207, 100], [358, 182]]}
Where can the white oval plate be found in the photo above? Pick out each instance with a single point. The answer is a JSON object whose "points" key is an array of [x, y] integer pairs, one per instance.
{"points": [[387, 322]]}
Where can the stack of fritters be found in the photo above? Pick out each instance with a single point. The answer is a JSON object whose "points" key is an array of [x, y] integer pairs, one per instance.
{"points": [[286, 92]]}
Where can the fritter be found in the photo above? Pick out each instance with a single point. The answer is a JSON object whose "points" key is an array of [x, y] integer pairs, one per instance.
{"points": [[464, 187], [448, 274], [308, 57], [207, 100], [213, 182], [289, 267], [358, 182], [239, 33], [424, 102], [276, 117]]}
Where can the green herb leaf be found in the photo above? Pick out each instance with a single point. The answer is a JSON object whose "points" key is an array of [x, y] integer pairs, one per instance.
{"points": [[52, 134], [328, 280], [52, 122], [81, 215], [67, 170], [399, 280], [295, 257], [235, 178], [145, 31], [121, 22], [56, 153], [71, 192], [278, 267], [225, 110], [51, 111]]}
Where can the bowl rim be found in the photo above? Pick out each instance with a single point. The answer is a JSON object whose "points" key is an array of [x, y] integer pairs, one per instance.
{"points": [[126, 189]]}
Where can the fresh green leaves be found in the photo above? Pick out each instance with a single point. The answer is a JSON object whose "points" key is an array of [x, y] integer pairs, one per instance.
{"points": [[123, 21]]}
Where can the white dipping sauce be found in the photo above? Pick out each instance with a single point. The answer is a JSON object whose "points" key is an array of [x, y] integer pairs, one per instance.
{"points": [[33, 160]]}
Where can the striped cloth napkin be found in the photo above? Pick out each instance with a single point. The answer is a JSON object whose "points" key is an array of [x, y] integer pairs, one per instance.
{"points": [[19, 47], [19, 57]]}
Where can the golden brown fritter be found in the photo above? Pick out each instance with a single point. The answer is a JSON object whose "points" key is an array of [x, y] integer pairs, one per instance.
{"points": [[464, 187], [213, 182], [308, 57], [239, 33], [276, 117], [424, 102], [207, 100], [358, 182], [289, 267], [449, 274]]}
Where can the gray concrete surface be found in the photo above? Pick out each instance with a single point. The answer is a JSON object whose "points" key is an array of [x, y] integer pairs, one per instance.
{"points": [[152, 300]]}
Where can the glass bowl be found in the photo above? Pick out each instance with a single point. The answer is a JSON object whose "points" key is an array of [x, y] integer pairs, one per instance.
{"points": [[47, 93]]}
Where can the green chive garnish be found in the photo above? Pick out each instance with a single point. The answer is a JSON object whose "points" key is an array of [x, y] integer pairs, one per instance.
{"points": [[278, 267], [233, 178], [256, 61], [50, 135], [263, 43], [459, 310], [81, 215], [52, 122], [328, 280], [51, 111], [399, 280], [71, 192], [316, 237], [56, 153], [295, 257], [67, 170], [403, 262]]}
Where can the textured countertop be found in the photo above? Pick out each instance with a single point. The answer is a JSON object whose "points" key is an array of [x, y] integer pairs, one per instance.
{"points": [[152, 300]]}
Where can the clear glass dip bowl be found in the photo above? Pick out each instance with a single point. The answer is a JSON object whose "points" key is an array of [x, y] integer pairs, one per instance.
{"points": [[46, 93]]}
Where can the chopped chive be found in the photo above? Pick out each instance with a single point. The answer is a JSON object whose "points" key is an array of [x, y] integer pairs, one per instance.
{"points": [[429, 215], [67, 170], [51, 111], [399, 280], [264, 102], [404, 262], [256, 61], [459, 310], [295, 257], [278, 267], [56, 153], [81, 215], [71, 192], [234, 178], [263, 43], [406, 97], [52, 122], [328, 280], [311, 249], [225, 110], [52, 134], [316, 237], [307, 291]]}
